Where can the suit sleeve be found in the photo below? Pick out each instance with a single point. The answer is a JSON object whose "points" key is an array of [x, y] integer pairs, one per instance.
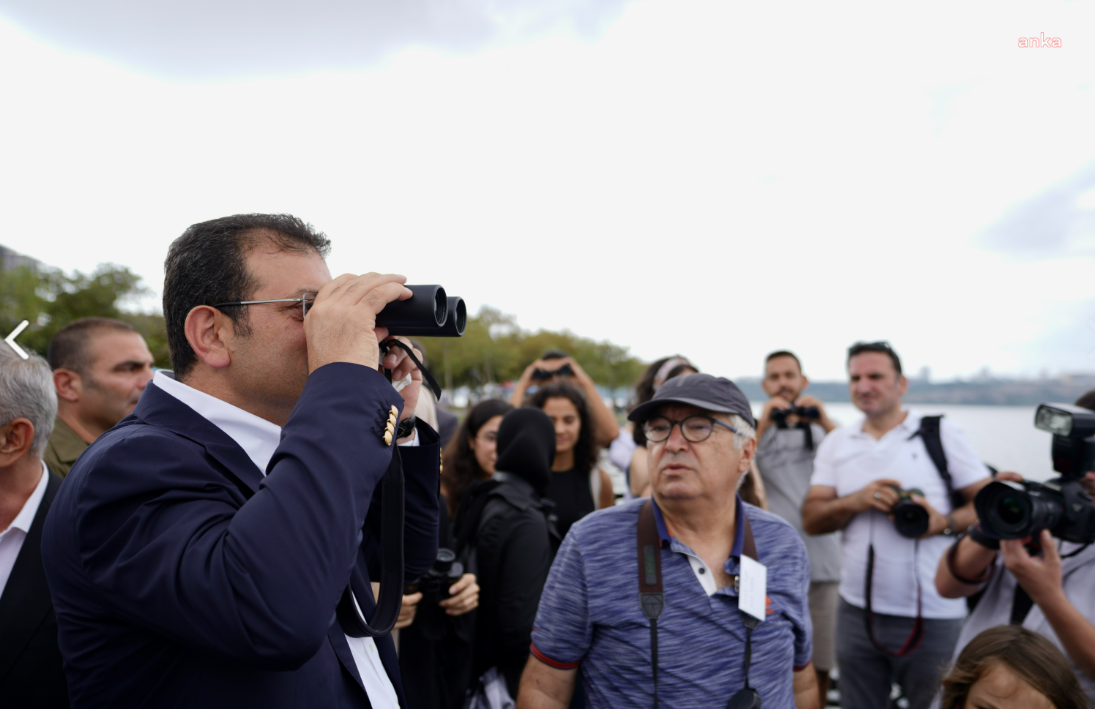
{"points": [[422, 481], [165, 542]]}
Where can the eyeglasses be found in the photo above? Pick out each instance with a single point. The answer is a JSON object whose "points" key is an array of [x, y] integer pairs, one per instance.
{"points": [[305, 301], [696, 429]]}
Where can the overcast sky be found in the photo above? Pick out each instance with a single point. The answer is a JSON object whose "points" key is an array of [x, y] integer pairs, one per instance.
{"points": [[697, 176]]}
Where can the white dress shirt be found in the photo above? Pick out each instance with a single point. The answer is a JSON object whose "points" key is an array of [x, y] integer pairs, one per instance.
{"points": [[259, 439], [11, 539]]}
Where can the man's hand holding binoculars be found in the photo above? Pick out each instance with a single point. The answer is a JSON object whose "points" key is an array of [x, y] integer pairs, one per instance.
{"points": [[341, 327]]}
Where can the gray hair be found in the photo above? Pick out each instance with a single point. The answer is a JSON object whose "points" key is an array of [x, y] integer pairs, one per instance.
{"points": [[745, 431], [26, 391]]}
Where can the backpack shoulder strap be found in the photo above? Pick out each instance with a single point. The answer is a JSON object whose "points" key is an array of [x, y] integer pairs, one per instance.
{"points": [[933, 442]]}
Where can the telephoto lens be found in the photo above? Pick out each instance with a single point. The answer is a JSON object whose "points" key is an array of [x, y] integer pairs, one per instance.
{"points": [[910, 519], [434, 587], [1015, 511]]}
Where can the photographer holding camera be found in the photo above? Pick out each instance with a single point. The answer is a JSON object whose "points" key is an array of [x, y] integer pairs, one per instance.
{"points": [[1049, 593], [892, 625], [788, 431], [211, 550]]}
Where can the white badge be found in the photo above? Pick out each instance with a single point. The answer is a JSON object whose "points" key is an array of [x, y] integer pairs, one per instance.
{"points": [[753, 587]]}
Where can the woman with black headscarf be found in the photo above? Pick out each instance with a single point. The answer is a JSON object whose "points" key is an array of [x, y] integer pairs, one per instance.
{"points": [[503, 529]]}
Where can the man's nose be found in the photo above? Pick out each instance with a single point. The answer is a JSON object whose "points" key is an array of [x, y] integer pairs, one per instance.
{"points": [[676, 440]]}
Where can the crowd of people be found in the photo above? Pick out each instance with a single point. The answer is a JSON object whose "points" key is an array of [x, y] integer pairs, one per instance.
{"points": [[221, 534]]}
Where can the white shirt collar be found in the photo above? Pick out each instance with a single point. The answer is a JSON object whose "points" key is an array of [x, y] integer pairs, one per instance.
{"points": [[25, 518], [256, 436], [911, 424]]}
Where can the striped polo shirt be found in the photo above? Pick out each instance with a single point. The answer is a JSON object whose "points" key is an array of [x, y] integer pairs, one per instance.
{"points": [[589, 616]]}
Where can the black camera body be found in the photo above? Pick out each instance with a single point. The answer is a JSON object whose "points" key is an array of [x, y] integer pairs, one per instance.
{"points": [[434, 587], [1009, 510], [806, 413], [910, 518]]}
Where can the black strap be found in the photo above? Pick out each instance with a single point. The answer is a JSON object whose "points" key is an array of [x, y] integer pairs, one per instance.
{"points": [[913, 641], [652, 597], [933, 442], [430, 381], [1021, 604], [390, 598]]}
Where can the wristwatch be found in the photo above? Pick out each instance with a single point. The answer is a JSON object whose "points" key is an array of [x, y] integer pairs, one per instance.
{"points": [[951, 529], [406, 428]]}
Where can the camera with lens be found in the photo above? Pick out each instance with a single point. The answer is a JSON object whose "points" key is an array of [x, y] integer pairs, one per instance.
{"points": [[806, 413], [429, 312], [910, 518], [434, 586], [540, 375], [1009, 510]]}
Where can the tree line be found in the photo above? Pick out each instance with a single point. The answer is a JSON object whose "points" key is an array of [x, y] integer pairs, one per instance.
{"points": [[493, 349]]}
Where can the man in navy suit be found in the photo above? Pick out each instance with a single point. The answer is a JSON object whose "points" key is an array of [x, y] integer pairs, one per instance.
{"points": [[197, 551]]}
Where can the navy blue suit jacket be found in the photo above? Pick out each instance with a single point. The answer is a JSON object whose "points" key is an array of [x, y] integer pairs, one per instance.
{"points": [[173, 589]]}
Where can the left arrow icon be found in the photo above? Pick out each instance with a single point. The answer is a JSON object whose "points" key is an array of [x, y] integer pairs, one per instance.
{"points": [[10, 339]]}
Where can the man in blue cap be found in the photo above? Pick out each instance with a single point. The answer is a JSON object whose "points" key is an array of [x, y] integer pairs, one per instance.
{"points": [[692, 596]]}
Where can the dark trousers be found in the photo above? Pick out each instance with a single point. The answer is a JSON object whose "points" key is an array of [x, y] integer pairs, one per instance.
{"points": [[867, 673]]}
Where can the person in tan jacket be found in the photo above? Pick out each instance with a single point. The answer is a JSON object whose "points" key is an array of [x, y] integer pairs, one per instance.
{"points": [[100, 367]]}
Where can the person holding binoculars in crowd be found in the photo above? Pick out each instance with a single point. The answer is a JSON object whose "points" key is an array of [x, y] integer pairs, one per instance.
{"points": [[211, 550], [1050, 594], [878, 480], [789, 429], [555, 366]]}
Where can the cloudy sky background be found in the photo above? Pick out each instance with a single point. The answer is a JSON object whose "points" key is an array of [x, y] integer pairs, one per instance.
{"points": [[719, 179]]}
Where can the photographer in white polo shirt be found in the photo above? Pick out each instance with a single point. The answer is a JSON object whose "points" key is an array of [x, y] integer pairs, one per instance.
{"points": [[904, 631]]}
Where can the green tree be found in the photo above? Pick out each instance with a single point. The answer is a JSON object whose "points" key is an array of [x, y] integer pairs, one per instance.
{"points": [[50, 299]]}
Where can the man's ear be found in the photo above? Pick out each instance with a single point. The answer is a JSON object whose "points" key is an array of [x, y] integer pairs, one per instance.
{"points": [[747, 451], [764, 385], [15, 440], [209, 333], [805, 383], [903, 385], [69, 385]]}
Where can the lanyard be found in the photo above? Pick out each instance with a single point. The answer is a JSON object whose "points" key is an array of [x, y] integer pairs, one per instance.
{"points": [[913, 640], [652, 599]]}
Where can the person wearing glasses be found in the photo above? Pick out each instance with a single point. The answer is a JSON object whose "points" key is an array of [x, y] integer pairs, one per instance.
{"points": [[211, 550], [718, 608], [892, 624]]}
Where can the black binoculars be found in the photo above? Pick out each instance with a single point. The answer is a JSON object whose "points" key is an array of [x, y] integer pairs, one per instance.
{"points": [[806, 413], [539, 375], [430, 312]]}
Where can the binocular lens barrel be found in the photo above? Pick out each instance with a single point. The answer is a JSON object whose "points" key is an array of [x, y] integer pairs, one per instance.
{"points": [[427, 313]]}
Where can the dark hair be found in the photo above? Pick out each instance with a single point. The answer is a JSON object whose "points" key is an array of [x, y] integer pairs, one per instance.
{"points": [[1033, 658], [1087, 401], [69, 347], [644, 390], [585, 450], [881, 347], [459, 466], [554, 354], [789, 353], [207, 265]]}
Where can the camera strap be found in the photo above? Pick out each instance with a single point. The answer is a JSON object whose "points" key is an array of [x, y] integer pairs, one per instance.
{"points": [[390, 598], [652, 598], [913, 640], [426, 376]]}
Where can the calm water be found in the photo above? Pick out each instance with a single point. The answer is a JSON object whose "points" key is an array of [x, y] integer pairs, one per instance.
{"points": [[1004, 436]]}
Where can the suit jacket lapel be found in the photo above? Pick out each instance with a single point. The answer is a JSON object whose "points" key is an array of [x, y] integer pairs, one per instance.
{"points": [[26, 601], [159, 408]]}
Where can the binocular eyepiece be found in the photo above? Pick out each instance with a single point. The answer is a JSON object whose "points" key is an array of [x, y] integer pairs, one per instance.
{"points": [[430, 312], [806, 413]]}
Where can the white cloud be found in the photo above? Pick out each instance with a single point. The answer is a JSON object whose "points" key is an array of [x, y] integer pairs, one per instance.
{"points": [[712, 179]]}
